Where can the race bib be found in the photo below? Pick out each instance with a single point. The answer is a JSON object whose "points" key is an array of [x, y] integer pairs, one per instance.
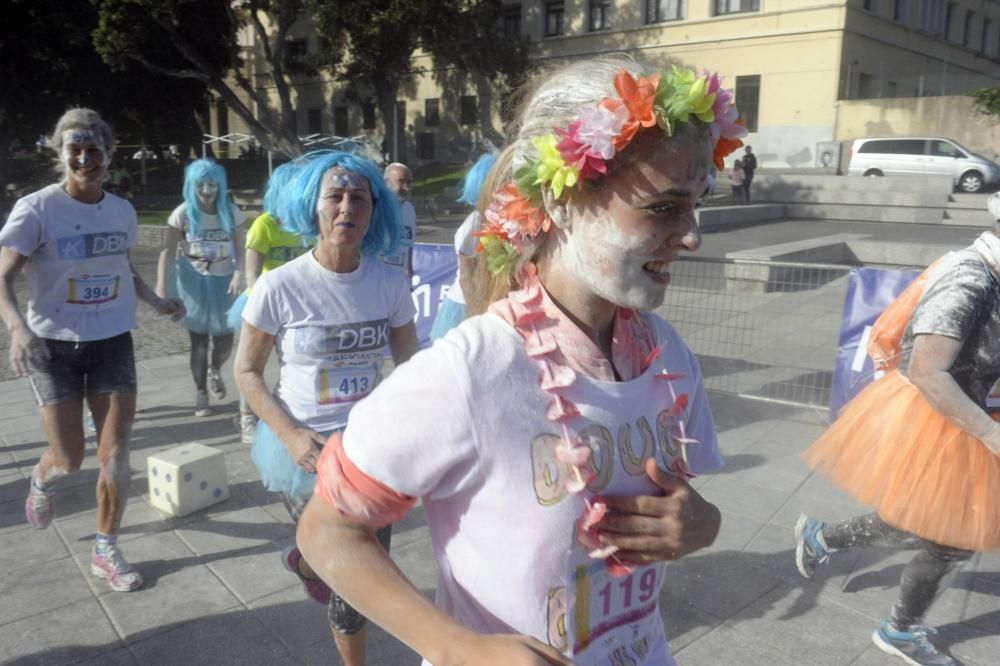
{"points": [[210, 250], [339, 385], [611, 620], [92, 289]]}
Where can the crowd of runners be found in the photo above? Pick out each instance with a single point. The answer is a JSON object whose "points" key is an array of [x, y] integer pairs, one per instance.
{"points": [[545, 341]]}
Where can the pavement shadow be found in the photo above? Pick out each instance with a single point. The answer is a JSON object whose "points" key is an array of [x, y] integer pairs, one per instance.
{"points": [[247, 637]]}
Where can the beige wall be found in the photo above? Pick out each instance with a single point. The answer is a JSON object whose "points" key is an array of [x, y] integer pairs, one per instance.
{"points": [[950, 117]]}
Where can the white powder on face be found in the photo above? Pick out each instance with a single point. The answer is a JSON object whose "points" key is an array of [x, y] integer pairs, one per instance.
{"points": [[613, 236]]}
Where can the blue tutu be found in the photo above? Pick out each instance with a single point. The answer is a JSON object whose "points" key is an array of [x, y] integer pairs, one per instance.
{"points": [[206, 298], [449, 315], [235, 316], [278, 472]]}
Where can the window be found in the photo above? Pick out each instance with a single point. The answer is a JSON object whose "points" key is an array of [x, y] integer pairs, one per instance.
{"points": [[314, 121], [986, 31], [554, 19], [600, 15], [901, 12], [893, 88], [865, 86], [944, 149], [893, 147], [736, 6], [949, 19], [967, 29], [748, 99], [296, 51], [662, 10], [870, 6], [432, 117], [511, 19], [340, 121], [368, 116], [425, 145], [468, 111]]}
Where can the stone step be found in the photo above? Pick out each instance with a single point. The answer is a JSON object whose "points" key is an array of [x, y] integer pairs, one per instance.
{"points": [[941, 185], [859, 213], [852, 197], [972, 217]]}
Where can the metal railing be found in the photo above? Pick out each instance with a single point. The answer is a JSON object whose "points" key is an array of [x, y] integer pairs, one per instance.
{"points": [[766, 330]]}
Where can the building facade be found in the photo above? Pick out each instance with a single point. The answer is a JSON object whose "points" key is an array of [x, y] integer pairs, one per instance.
{"points": [[791, 62]]}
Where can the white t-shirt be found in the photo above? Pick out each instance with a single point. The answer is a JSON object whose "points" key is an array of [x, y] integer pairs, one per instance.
{"points": [[465, 246], [401, 259], [332, 332], [474, 442], [79, 282], [211, 252]]}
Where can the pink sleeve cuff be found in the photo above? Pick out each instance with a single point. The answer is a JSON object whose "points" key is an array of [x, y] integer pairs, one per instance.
{"points": [[357, 496]]}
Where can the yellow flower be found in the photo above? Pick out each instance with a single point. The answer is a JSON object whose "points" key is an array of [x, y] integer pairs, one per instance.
{"points": [[550, 168]]}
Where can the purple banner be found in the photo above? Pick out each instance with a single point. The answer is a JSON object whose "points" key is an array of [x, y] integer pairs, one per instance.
{"points": [[434, 268], [869, 292]]}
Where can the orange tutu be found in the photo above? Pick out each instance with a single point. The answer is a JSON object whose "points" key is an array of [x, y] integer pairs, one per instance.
{"points": [[892, 451]]}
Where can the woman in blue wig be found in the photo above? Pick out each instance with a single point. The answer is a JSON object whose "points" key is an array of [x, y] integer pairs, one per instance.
{"points": [[267, 247], [452, 310], [209, 274], [332, 313]]}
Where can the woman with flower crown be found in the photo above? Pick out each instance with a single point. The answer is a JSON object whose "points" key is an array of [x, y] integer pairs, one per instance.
{"points": [[550, 438]]}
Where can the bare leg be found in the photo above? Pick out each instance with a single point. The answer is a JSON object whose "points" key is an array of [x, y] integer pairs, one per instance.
{"points": [[114, 414], [63, 423], [351, 646]]}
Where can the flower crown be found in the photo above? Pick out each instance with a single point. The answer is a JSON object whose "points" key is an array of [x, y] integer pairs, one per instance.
{"points": [[583, 150]]}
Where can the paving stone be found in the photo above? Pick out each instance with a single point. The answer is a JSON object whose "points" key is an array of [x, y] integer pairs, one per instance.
{"points": [[59, 637], [178, 588], [40, 589], [232, 637], [25, 547]]}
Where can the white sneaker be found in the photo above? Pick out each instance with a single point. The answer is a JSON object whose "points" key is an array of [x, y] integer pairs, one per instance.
{"points": [[201, 407], [215, 384]]}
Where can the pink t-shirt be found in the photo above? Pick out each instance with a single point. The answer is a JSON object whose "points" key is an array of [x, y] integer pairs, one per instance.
{"points": [[474, 433]]}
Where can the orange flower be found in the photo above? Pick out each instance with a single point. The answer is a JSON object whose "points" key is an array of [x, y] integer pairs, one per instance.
{"points": [[724, 147], [638, 97], [514, 207]]}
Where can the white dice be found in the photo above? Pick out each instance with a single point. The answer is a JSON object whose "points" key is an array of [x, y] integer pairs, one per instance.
{"points": [[187, 478]]}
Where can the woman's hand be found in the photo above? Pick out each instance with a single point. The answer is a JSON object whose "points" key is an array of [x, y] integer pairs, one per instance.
{"points": [[305, 445], [509, 650], [172, 307], [650, 528], [236, 284], [24, 346]]}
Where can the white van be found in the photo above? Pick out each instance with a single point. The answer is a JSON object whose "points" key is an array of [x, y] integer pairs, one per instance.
{"points": [[922, 156]]}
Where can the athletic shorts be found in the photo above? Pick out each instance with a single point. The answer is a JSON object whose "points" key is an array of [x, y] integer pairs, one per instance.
{"points": [[77, 369]]}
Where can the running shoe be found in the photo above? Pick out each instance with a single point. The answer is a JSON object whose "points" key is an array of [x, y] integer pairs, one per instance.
{"points": [[911, 646], [215, 384], [39, 508], [810, 551], [248, 428], [201, 407], [112, 567], [317, 590], [89, 423]]}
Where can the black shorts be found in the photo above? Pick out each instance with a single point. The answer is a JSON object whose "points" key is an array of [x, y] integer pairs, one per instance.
{"points": [[77, 369]]}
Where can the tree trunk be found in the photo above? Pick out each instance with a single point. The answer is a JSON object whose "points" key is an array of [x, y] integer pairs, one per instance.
{"points": [[385, 94]]}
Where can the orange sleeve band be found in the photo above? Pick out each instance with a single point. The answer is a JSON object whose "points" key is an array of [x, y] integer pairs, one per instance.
{"points": [[353, 493]]}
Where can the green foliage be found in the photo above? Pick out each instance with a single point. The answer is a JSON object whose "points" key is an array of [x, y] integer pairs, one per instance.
{"points": [[987, 101]]}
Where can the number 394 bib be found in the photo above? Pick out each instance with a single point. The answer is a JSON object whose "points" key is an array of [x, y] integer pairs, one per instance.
{"points": [[92, 289]]}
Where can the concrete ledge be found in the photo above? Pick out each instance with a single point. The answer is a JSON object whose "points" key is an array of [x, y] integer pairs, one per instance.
{"points": [[763, 278], [723, 217], [848, 212], [942, 186]]}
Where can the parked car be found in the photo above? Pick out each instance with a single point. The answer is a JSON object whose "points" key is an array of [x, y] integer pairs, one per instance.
{"points": [[921, 156]]}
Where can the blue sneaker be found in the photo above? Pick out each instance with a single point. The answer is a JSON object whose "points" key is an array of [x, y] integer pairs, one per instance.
{"points": [[911, 646], [810, 549]]}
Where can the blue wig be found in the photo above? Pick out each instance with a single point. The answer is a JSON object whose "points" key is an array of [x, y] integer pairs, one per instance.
{"points": [[199, 171], [278, 181], [297, 204], [473, 179]]}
